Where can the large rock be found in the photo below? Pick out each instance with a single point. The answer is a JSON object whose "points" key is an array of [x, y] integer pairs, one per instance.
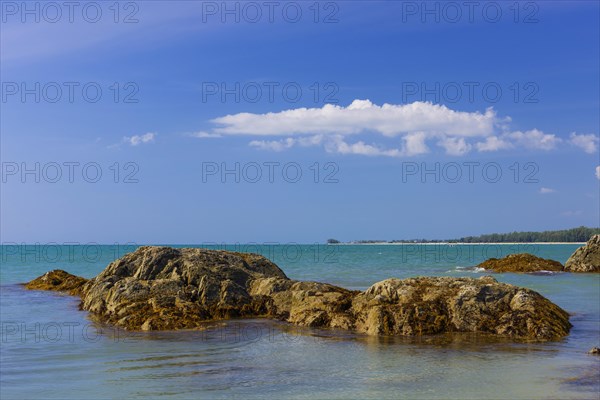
{"points": [[163, 288], [418, 306], [586, 258], [158, 288], [523, 262]]}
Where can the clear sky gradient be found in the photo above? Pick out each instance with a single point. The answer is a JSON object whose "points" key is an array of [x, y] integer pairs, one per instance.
{"points": [[405, 120]]}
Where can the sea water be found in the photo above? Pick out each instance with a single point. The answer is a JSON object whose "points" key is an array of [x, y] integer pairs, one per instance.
{"points": [[52, 350]]}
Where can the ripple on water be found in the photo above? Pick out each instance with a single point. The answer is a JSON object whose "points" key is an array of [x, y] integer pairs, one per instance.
{"points": [[285, 361]]}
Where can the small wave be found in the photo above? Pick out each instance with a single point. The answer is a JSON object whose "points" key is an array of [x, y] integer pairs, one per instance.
{"points": [[474, 270], [544, 272]]}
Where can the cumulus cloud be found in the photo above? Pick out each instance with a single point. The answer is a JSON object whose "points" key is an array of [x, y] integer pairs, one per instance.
{"points": [[279, 145], [359, 117], [455, 146], [598, 172], [204, 135], [338, 145], [414, 144], [589, 143], [546, 190], [274, 145], [493, 143], [534, 139], [136, 140], [412, 128]]}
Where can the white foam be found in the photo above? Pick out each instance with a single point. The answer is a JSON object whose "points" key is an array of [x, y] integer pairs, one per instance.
{"points": [[544, 272], [474, 270]]}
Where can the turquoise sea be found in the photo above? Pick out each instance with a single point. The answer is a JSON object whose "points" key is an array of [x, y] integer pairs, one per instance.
{"points": [[51, 350]]}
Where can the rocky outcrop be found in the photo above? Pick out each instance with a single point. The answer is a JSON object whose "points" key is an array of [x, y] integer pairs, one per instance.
{"points": [[58, 280], [523, 262], [586, 258], [418, 306], [157, 288]]}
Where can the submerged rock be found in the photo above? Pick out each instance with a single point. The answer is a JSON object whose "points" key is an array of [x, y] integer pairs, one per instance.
{"points": [[157, 288], [585, 258], [523, 262]]}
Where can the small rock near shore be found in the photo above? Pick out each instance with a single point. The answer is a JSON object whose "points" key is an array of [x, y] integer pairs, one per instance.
{"points": [[523, 262], [58, 280]]}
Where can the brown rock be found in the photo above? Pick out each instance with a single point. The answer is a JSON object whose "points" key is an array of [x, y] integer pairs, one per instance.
{"points": [[523, 262], [586, 258], [157, 288], [423, 306], [58, 280], [595, 351]]}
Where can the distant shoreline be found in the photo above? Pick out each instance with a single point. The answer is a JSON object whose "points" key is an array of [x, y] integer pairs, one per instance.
{"points": [[445, 243], [578, 235]]}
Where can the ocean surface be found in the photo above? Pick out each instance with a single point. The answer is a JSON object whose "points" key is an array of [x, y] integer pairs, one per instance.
{"points": [[51, 350]]}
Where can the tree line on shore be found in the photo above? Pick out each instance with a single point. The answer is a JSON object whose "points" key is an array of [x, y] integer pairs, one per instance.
{"points": [[580, 234]]}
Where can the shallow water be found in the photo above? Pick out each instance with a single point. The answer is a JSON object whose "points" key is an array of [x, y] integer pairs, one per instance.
{"points": [[51, 350]]}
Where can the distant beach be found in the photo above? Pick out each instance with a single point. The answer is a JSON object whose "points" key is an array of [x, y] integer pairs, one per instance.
{"points": [[447, 243]]}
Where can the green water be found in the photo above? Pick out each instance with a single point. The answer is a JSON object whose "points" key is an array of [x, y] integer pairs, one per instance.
{"points": [[50, 350]]}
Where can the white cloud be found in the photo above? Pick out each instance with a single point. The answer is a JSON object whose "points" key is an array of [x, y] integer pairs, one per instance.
{"points": [[546, 190], [598, 172], [338, 145], [136, 140], [314, 140], [493, 143], [204, 135], [279, 145], [274, 145], [361, 116], [415, 126], [414, 144], [534, 139], [589, 143], [455, 146]]}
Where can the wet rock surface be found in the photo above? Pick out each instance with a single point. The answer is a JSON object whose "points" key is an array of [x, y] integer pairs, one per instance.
{"points": [[161, 288], [522, 262], [58, 280], [156, 288], [586, 258]]}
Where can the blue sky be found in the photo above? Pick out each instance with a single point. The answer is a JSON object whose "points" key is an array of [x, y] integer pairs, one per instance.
{"points": [[361, 98]]}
